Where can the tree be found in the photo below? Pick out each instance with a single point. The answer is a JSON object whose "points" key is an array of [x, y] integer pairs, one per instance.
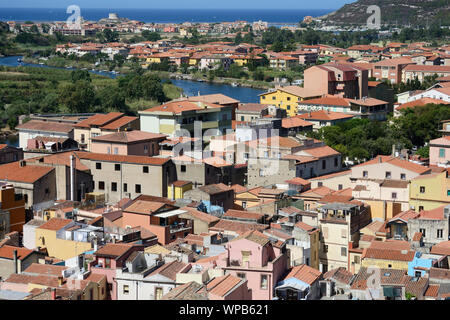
{"points": [[110, 36], [111, 98], [238, 39], [77, 75], [79, 97], [119, 60], [151, 36], [153, 88]]}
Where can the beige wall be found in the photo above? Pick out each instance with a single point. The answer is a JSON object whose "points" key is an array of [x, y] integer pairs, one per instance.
{"points": [[152, 183]]}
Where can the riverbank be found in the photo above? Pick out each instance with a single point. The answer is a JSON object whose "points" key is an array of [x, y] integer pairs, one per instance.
{"points": [[60, 62]]}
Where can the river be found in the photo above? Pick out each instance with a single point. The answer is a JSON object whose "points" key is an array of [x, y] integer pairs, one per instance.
{"points": [[190, 88]]}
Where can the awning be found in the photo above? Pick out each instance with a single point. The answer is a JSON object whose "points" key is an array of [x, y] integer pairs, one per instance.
{"points": [[170, 213]]}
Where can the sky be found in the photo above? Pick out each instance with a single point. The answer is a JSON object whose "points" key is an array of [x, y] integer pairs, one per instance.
{"points": [[179, 4]]}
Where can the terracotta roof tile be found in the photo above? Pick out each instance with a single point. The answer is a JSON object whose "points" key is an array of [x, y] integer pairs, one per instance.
{"points": [[305, 273], [27, 174], [7, 252], [221, 286], [114, 250], [56, 224]]}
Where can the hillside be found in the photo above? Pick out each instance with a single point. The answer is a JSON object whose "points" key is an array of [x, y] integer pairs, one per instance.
{"points": [[394, 12]]}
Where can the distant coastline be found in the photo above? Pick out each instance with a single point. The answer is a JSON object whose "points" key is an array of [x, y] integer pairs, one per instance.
{"points": [[166, 15]]}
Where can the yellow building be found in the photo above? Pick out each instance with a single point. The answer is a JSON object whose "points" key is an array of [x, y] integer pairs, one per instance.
{"points": [[286, 98], [180, 188], [429, 191], [388, 257], [58, 247]]}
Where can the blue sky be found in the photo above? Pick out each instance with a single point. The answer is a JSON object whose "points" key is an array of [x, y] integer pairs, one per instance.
{"points": [[179, 4]]}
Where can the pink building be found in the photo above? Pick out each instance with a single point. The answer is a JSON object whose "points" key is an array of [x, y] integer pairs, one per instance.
{"points": [[252, 257], [128, 143], [440, 151], [348, 80], [108, 259], [160, 218]]}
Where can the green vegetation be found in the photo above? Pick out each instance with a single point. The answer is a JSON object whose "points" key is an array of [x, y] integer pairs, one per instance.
{"points": [[25, 90], [361, 139]]}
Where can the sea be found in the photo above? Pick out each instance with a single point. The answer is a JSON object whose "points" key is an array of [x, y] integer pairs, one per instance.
{"points": [[273, 17]]}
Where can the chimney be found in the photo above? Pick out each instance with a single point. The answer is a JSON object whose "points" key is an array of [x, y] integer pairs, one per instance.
{"points": [[23, 163], [60, 281], [15, 261], [53, 294], [72, 177], [380, 159]]}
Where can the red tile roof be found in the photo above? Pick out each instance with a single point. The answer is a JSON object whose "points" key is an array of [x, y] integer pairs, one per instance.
{"points": [[305, 273], [7, 252], [325, 115], [38, 125], [55, 224], [129, 137], [119, 123], [221, 286], [114, 250], [420, 103], [405, 164], [27, 174]]}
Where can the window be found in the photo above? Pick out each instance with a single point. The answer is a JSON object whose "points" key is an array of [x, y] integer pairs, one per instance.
{"points": [[288, 98], [264, 281], [125, 187], [47, 190], [440, 233], [325, 248], [420, 208], [246, 256], [388, 175], [158, 293], [145, 148], [324, 164], [394, 195], [82, 138], [101, 185], [108, 150], [98, 165], [365, 174], [289, 107], [126, 289], [448, 192], [356, 259], [340, 187], [402, 176], [422, 231], [442, 153], [183, 168], [343, 251], [319, 184], [116, 150], [107, 263], [241, 275], [422, 189], [336, 162], [113, 186], [117, 167], [138, 188], [145, 169], [273, 98]]}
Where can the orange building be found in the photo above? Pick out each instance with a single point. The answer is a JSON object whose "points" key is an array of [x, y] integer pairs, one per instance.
{"points": [[14, 205]]}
